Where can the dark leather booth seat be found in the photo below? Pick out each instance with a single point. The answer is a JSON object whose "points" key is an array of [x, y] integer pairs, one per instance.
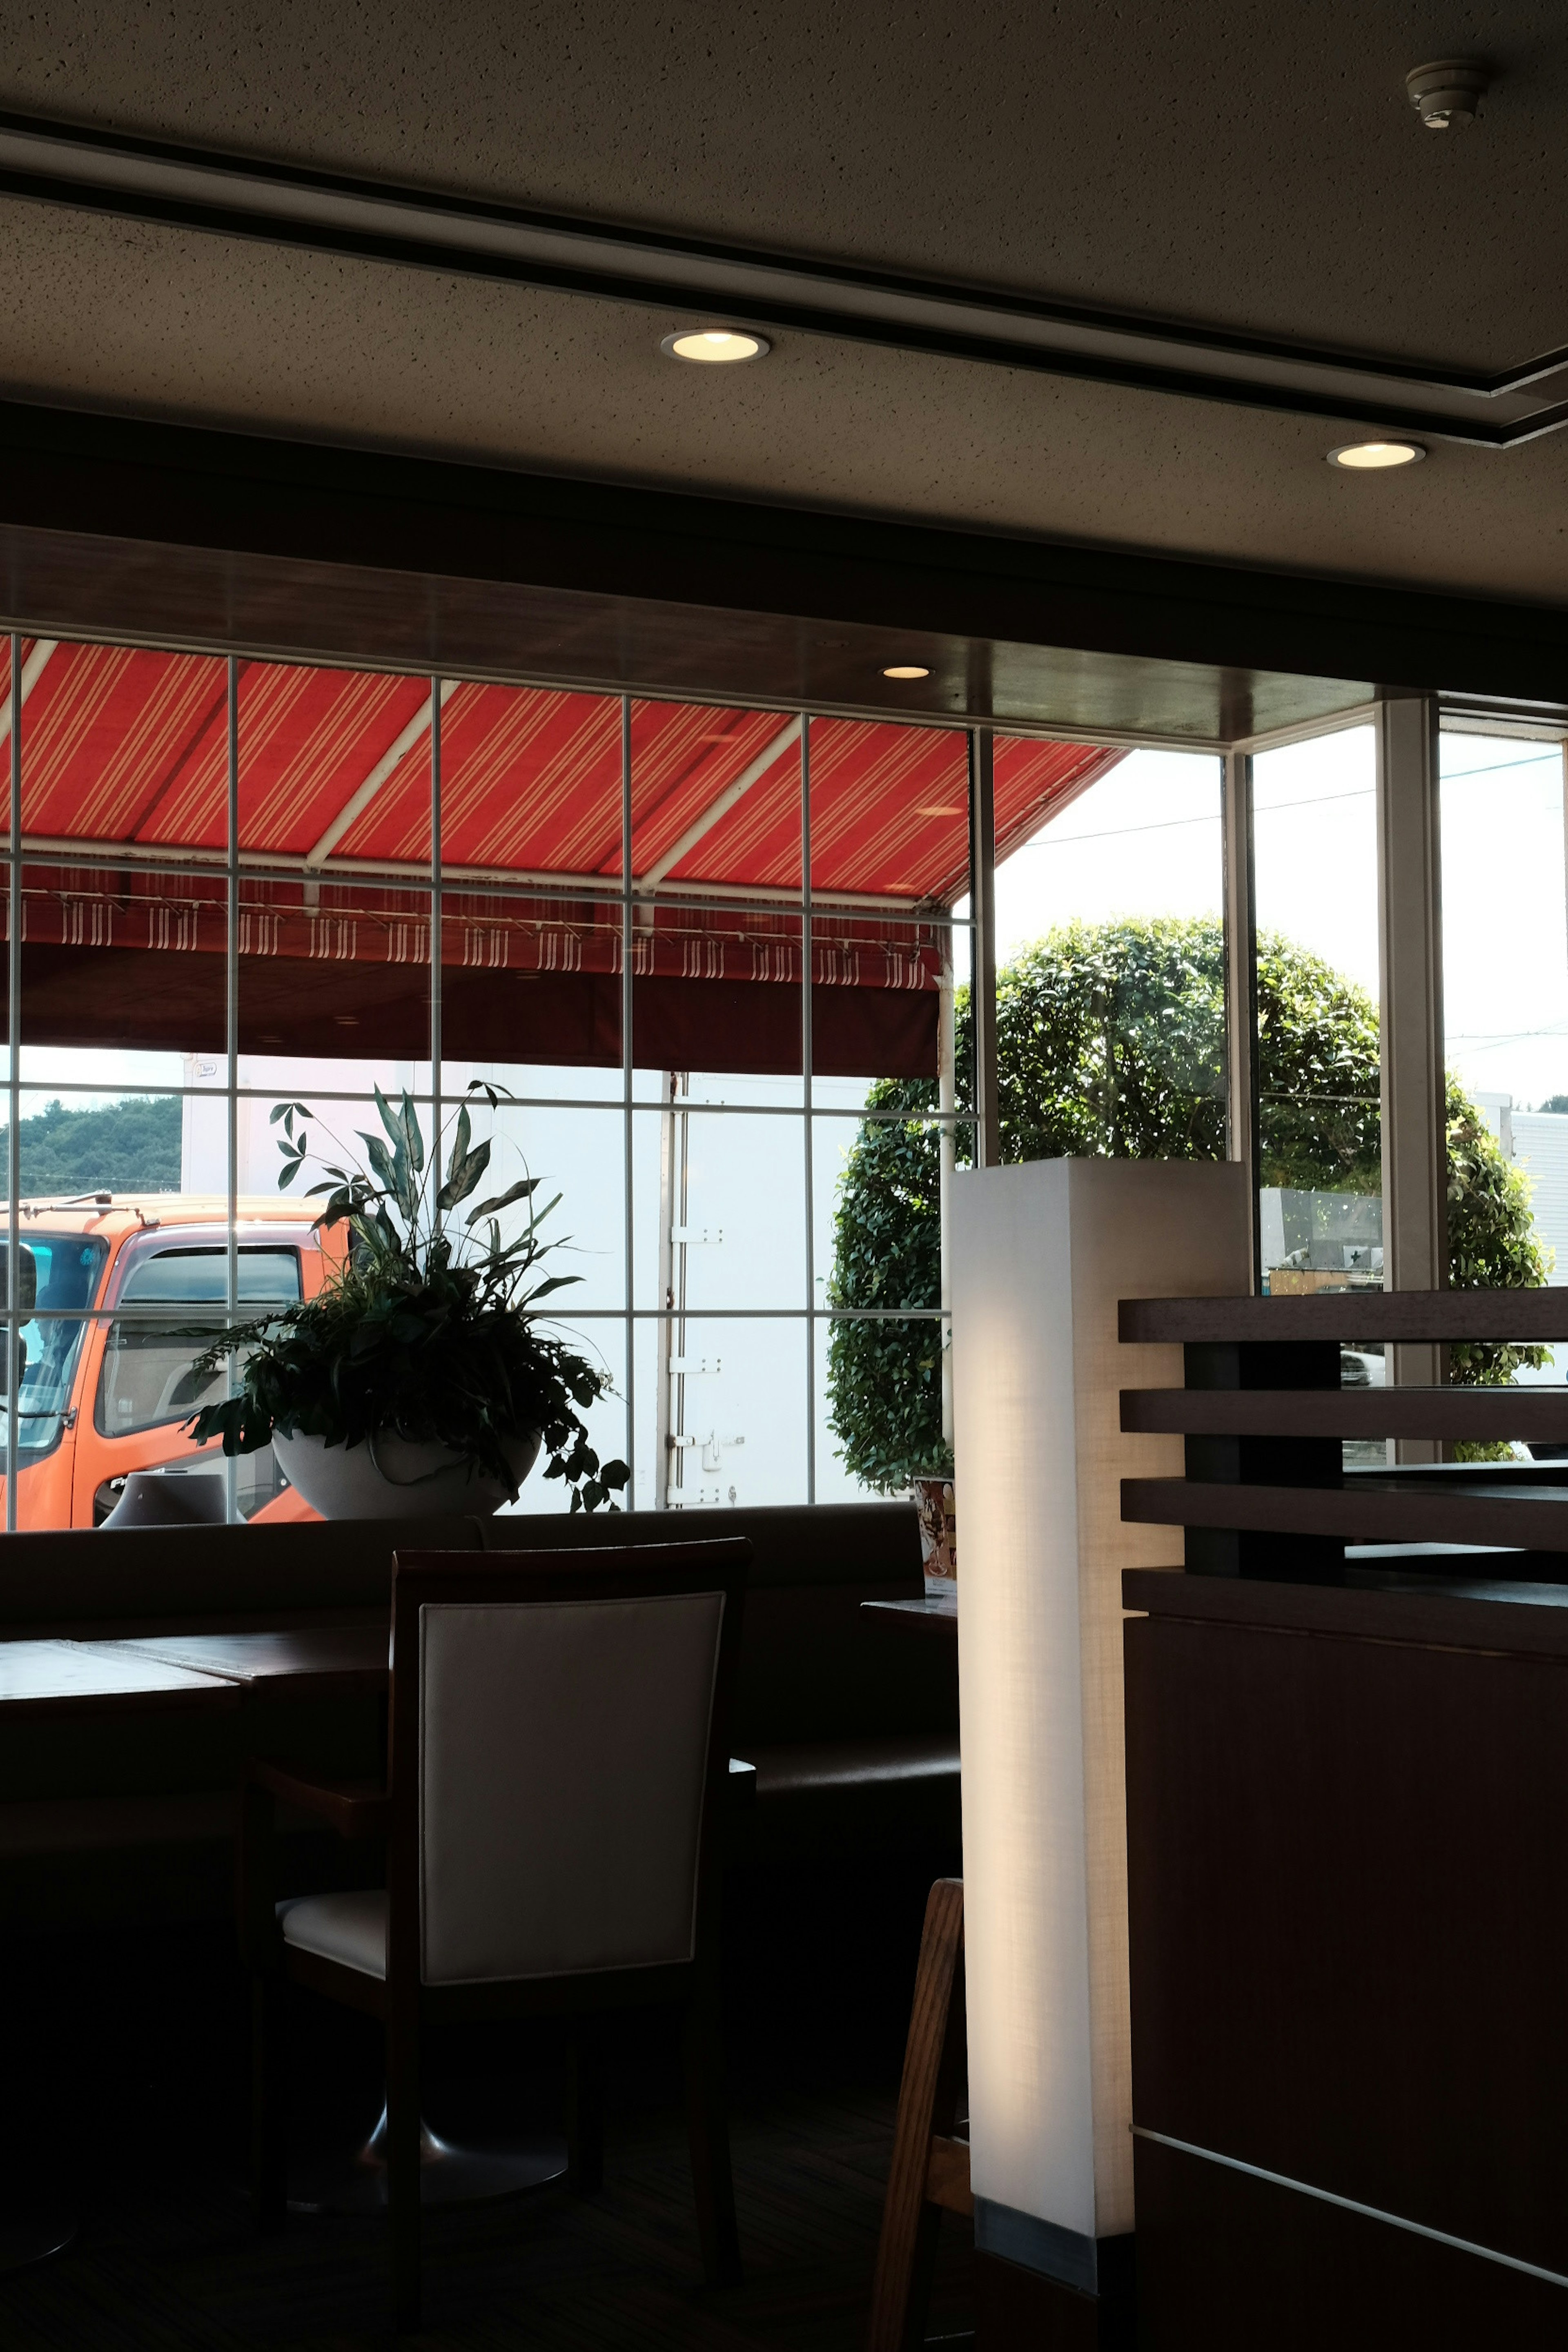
{"points": [[852, 1724]]}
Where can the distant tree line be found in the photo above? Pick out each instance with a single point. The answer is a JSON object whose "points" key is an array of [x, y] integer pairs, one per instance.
{"points": [[132, 1146]]}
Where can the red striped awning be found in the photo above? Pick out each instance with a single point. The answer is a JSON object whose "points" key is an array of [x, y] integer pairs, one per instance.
{"points": [[126, 750], [126, 747]]}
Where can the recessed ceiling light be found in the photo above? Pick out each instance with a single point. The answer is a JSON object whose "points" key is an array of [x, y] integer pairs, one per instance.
{"points": [[906, 670], [1375, 456], [714, 346]]}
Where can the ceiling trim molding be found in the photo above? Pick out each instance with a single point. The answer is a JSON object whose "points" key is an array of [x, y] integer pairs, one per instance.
{"points": [[185, 534], [277, 204]]}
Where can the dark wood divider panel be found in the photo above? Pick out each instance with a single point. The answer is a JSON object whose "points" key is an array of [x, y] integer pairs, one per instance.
{"points": [[1347, 1814]]}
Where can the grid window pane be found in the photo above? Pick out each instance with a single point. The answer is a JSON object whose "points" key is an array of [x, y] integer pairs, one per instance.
{"points": [[745, 1009], [575, 1157], [1111, 964], [879, 1400], [124, 768], [715, 799], [719, 1209], [123, 749], [724, 1409], [1319, 1118], [1505, 1015], [602, 1344], [335, 968], [73, 1143], [717, 988], [878, 1188], [890, 811], [118, 964], [530, 782], [534, 980], [334, 765]]}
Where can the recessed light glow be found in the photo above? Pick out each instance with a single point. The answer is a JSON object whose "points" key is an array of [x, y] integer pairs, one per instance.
{"points": [[1375, 456], [906, 670], [713, 346]]}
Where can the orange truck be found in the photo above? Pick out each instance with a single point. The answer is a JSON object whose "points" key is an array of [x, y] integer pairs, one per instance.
{"points": [[105, 1383]]}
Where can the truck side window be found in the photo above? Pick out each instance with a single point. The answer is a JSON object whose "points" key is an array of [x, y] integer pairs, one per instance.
{"points": [[146, 1380], [66, 1269]]}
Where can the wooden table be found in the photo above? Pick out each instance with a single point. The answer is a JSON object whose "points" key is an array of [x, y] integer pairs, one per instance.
{"points": [[232, 1670], [205, 1672], [90, 1677], [54, 1678], [320, 1660], [936, 1615]]}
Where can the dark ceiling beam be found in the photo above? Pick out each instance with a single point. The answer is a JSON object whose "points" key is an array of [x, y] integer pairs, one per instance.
{"points": [[158, 530], [703, 281]]}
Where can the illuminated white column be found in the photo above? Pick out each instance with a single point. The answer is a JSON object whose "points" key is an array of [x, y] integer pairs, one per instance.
{"points": [[1041, 1254]]}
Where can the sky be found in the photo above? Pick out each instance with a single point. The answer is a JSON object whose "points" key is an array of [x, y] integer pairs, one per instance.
{"points": [[1145, 840]]}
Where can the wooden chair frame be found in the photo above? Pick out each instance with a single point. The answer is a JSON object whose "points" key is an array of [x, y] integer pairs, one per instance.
{"points": [[401, 2001], [929, 2174]]}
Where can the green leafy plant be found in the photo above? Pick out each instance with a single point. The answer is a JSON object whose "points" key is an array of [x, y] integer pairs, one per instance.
{"points": [[428, 1327], [1110, 1042]]}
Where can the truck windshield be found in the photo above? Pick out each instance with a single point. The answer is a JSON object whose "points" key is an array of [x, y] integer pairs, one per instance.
{"points": [[70, 1267], [146, 1379]]}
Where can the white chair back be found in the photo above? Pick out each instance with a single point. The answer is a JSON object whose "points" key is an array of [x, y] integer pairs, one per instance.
{"points": [[562, 1750]]}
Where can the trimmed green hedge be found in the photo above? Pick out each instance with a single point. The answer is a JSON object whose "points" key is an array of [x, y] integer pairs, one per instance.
{"points": [[1110, 1042]]}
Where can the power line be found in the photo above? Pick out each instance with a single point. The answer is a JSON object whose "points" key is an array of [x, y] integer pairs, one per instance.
{"points": [[1043, 839], [1532, 760], [1173, 823]]}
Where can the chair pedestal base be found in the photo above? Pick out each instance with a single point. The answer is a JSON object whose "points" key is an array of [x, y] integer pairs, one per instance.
{"points": [[31, 2234], [449, 2173]]}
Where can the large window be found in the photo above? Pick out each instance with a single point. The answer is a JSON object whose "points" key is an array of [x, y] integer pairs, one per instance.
{"points": [[1318, 1065], [1504, 847], [1111, 966], [703, 953]]}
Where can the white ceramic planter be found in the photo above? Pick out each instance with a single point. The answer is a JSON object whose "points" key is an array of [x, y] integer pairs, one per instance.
{"points": [[401, 1480]]}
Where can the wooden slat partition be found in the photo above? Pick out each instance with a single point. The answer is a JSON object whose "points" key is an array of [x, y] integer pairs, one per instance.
{"points": [[1361, 1511], [1263, 1415], [1482, 1415], [1433, 1316]]}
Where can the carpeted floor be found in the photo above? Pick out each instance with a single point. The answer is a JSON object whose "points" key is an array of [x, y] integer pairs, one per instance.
{"points": [[126, 2087]]}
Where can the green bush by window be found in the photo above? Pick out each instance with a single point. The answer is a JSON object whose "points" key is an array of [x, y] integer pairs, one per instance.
{"points": [[1110, 1042]]}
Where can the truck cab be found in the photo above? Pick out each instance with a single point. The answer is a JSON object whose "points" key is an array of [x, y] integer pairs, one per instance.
{"points": [[119, 1293]]}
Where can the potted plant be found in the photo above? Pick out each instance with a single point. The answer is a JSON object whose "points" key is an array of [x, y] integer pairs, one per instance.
{"points": [[418, 1378]]}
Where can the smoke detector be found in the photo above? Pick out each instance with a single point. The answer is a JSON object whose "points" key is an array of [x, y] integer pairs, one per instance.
{"points": [[1446, 94]]}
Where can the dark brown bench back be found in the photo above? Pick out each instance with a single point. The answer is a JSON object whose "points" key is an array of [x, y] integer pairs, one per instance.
{"points": [[84, 1581], [813, 1666]]}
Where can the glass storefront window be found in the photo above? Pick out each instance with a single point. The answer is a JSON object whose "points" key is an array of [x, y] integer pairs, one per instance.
{"points": [[1111, 964], [427, 885], [1318, 1114]]}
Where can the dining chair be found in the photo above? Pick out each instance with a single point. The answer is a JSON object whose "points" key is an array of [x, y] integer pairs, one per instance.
{"points": [[929, 2174], [558, 1754]]}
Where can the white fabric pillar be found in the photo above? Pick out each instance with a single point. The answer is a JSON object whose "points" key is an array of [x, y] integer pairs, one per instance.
{"points": [[1041, 1254]]}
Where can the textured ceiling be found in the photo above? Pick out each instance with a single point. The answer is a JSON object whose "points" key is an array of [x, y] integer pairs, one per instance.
{"points": [[1255, 168]]}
